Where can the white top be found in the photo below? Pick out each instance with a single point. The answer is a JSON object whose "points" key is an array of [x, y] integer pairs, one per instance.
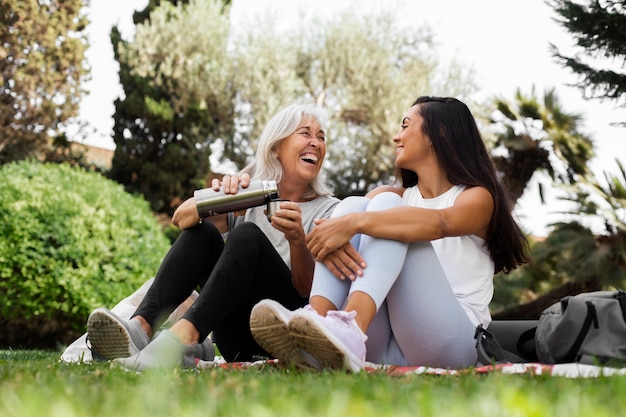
{"points": [[319, 208], [464, 259]]}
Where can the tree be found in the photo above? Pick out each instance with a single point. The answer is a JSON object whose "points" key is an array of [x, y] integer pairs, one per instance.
{"points": [[365, 70], [531, 135], [188, 69], [178, 98], [591, 248], [42, 47], [577, 256], [574, 257], [599, 29]]}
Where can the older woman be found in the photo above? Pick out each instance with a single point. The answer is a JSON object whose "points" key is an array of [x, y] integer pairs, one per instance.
{"points": [[259, 259]]}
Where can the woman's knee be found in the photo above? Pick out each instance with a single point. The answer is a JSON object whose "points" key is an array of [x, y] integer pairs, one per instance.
{"points": [[384, 201], [246, 231], [351, 204], [199, 234]]}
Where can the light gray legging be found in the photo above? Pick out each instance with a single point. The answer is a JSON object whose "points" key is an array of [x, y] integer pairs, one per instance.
{"points": [[419, 320]]}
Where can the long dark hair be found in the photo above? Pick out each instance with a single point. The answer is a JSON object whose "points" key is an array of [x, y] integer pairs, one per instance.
{"points": [[461, 152]]}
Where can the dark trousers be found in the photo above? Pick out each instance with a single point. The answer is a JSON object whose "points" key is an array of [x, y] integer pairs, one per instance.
{"points": [[232, 278]]}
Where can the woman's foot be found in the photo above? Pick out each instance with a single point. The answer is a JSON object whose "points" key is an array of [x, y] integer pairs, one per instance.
{"points": [[165, 351], [335, 341], [269, 324], [112, 337]]}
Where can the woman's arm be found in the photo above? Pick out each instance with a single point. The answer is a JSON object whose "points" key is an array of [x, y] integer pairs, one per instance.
{"points": [[470, 214], [288, 219], [186, 216]]}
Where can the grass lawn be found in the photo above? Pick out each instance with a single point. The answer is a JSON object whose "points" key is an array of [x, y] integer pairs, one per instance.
{"points": [[35, 383]]}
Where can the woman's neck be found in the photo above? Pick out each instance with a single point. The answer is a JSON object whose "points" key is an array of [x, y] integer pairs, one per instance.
{"points": [[293, 193], [432, 181]]}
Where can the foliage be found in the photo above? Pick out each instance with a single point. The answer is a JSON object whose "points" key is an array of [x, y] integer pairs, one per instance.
{"points": [[588, 252], [178, 95], [533, 135], [70, 241], [42, 46], [599, 29], [218, 85], [34, 384], [366, 69], [596, 252]]}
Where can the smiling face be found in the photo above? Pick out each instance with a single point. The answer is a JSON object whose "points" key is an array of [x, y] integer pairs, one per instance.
{"points": [[413, 147], [301, 154]]}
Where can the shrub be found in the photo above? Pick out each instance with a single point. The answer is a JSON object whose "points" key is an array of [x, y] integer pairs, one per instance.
{"points": [[70, 241]]}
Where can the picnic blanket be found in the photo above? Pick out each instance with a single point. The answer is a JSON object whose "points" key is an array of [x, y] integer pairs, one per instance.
{"points": [[79, 352], [568, 370]]}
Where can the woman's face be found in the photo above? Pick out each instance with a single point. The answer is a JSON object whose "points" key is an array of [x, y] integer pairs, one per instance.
{"points": [[412, 145], [301, 154]]}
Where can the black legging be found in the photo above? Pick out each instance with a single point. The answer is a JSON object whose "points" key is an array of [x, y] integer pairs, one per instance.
{"points": [[233, 277]]}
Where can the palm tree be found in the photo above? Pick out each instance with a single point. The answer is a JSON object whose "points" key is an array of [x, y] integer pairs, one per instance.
{"points": [[533, 136], [539, 136], [576, 257]]}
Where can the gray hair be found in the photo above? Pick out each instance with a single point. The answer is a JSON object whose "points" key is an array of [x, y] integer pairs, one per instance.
{"points": [[266, 166]]}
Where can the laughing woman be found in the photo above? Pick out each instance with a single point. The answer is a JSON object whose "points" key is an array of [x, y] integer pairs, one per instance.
{"points": [[259, 259]]}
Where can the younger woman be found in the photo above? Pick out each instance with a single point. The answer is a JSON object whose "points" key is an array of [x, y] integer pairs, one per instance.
{"points": [[422, 279]]}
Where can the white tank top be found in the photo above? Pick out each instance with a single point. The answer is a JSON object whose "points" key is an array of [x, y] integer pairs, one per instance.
{"points": [[464, 259]]}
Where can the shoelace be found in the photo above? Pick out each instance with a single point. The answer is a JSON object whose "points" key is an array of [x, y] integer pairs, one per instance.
{"points": [[348, 318]]}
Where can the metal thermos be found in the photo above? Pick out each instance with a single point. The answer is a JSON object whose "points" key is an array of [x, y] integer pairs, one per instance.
{"points": [[210, 202]]}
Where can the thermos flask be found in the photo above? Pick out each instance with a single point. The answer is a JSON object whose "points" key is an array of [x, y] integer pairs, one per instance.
{"points": [[210, 202]]}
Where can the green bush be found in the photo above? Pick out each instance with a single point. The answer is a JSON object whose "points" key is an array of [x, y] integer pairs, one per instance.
{"points": [[70, 241]]}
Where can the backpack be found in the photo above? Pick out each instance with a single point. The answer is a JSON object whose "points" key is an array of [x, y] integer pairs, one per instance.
{"points": [[506, 341], [588, 328]]}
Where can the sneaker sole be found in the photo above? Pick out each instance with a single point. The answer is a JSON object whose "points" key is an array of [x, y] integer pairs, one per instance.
{"points": [[108, 337], [322, 345], [269, 328]]}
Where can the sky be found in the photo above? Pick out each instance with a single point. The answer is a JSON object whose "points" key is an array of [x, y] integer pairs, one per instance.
{"points": [[506, 42]]}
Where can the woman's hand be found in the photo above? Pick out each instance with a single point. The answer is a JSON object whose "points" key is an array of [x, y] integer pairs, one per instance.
{"points": [[230, 183], [345, 262], [186, 215], [288, 219], [329, 235]]}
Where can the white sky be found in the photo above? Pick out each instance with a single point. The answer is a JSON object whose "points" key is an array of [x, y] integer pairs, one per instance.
{"points": [[507, 42]]}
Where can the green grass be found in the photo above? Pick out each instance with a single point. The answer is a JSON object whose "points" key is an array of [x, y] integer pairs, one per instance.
{"points": [[35, 383]]}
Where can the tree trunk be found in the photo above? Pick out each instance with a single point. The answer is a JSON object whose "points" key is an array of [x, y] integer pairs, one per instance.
{"points": [[533, 309]]}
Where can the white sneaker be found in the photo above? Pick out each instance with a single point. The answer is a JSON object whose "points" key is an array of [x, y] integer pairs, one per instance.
{"points": [[112, 337], [269, 324], [336, 341], [166, 351]]}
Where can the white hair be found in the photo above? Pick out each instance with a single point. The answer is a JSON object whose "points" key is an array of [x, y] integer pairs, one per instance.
{"points": [[266, 166]]}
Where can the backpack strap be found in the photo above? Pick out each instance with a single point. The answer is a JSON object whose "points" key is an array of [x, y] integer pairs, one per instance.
{"points": [[591, 317], [621, 298], [489, 351], [526, 344]]}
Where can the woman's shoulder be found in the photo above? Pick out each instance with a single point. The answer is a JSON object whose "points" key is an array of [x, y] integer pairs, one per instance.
{"points": [[320, 207]]}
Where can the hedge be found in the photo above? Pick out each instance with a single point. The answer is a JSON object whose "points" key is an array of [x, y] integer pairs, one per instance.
{"points": [[70, 241]]}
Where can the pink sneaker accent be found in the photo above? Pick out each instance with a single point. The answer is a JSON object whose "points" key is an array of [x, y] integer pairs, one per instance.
{"points": [[269, 325], [336, 341]]}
